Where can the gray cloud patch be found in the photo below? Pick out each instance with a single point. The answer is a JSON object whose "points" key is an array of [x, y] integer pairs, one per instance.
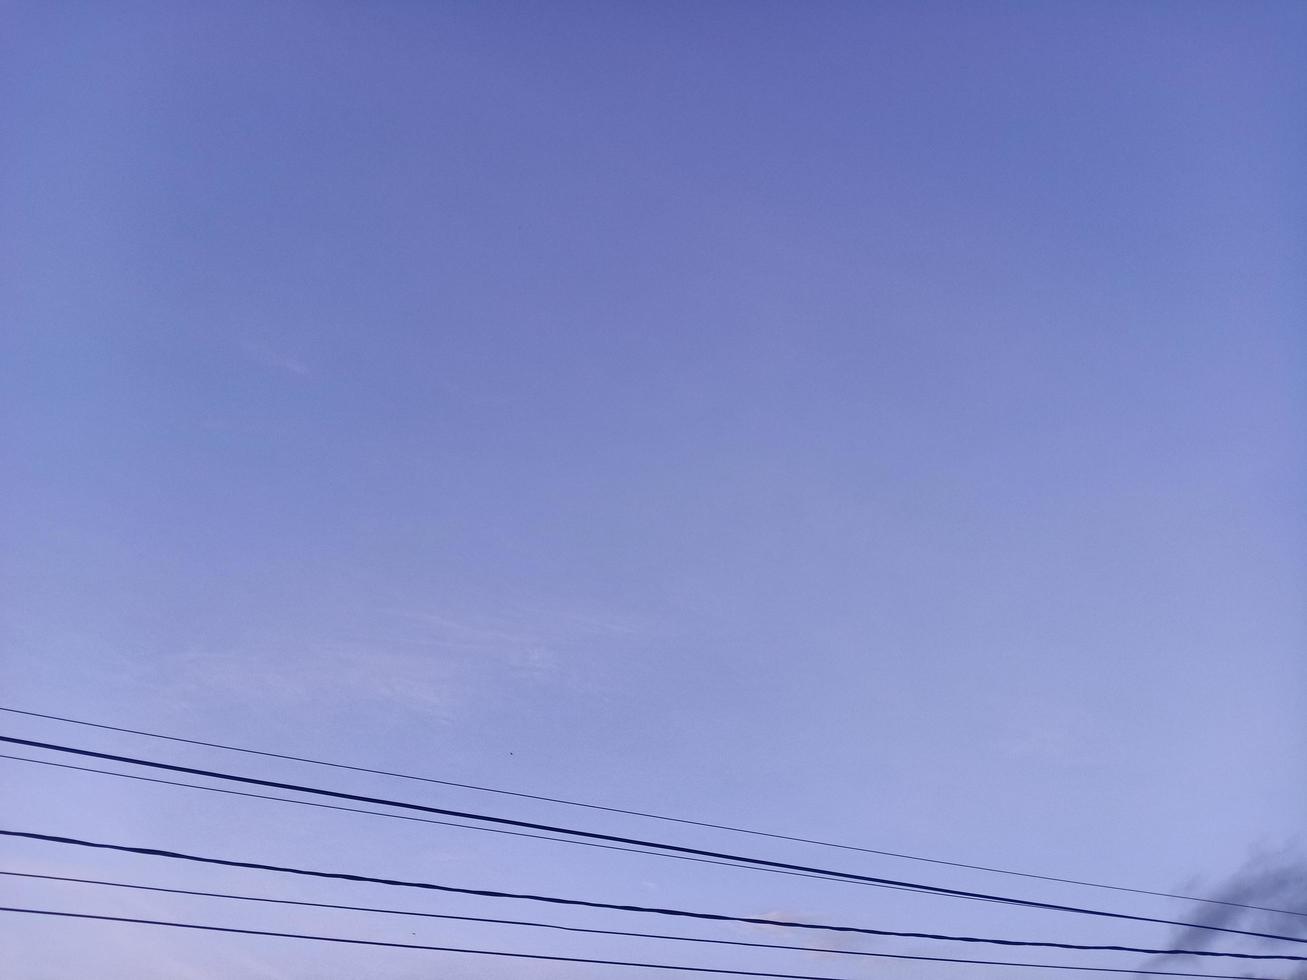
{"points": [[1269, 895]]}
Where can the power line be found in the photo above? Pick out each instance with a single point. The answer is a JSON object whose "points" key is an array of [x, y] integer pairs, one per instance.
{"points": [[428, 820], [612, 838], [642, 813], [603, 962], [429, 886], [655, 935], [485, 893]]}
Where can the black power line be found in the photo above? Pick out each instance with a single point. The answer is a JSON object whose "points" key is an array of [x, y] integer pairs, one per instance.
{"points": [[429, 820], [602, 962], [485, 893], [429, 886], [641, 813], [612, 838], [656, 935]]}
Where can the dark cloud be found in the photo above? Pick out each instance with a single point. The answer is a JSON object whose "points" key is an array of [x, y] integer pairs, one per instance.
{"points": [[1268, 895]]}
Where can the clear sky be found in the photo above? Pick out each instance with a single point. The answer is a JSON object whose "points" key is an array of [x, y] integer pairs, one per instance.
{"points": [[881, 422]]}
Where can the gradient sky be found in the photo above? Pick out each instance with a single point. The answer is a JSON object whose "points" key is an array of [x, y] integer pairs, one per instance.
{"points": [[879, 422]]}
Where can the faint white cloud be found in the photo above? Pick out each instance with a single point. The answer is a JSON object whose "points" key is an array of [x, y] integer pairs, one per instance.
{"points": [[533, 642], [275, 359], [320, 676], [440, 664], [1042, 734]]}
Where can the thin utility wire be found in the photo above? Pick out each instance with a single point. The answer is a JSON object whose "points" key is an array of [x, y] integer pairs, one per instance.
{"points": [[657, 935], [481, 892], [612, 838], [602, 962], [429, 820], [645, 814]]}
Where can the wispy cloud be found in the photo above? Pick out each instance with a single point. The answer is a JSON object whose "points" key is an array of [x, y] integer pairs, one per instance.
{"points": [[441, 663], [532, 641], [319, 676], [275, 359]]}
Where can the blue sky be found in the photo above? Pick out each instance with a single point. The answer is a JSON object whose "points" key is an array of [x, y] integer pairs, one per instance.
{"points": [[874, 421]]}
